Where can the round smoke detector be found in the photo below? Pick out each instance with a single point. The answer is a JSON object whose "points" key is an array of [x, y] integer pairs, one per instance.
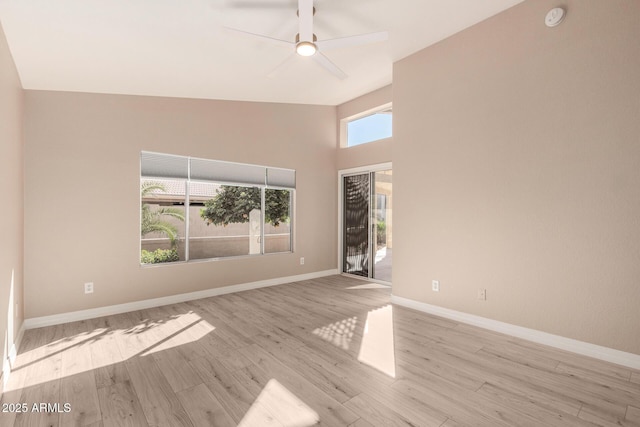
{"points": [[554, 17]]}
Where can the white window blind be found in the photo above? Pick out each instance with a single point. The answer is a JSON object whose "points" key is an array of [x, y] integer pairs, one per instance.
{"points": [[158, 165], [227, 172], [283, 178]]}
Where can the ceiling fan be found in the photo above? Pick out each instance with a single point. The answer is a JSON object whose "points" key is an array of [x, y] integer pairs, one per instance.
{"points": [[307, 44]]}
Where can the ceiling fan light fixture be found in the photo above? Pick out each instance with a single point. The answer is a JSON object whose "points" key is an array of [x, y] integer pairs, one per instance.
{"points": [[306, 48]]}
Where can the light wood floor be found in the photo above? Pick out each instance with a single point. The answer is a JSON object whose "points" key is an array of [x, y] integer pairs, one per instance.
{"points": [[331, 351]]}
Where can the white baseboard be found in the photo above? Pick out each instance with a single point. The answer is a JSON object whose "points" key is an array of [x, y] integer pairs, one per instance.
{"points": [[13, 352], [580, 347], [11, 358], [56, 319]]}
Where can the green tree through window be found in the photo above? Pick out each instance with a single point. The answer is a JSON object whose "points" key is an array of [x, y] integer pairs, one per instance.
{"points": [[233, 204]]}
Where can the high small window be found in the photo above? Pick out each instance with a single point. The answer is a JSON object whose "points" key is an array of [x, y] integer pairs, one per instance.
{"points": [[233, 209], [366, 127]]}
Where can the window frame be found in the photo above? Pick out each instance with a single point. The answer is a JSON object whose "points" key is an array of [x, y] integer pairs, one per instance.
{"points": [[278, 183], [344, 124]]}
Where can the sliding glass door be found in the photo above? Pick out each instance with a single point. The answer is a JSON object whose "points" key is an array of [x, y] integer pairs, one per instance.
{"points": [[356, 225], [366, 224]]}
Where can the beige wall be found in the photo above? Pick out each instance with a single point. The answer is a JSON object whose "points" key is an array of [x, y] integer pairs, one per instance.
{"points": [[11, 188], [82, 154], [373, 152], [517, 169]]}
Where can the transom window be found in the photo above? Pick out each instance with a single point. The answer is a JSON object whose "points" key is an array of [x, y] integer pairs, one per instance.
{"points": [[372, 125], [195, 209]]}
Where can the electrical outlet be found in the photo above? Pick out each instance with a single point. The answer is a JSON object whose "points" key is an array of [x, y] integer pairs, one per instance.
{"points": [[482, 294], [435, 286], [88, 288], [301, 260]]}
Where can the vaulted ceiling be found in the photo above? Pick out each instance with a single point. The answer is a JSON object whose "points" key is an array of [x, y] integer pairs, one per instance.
{"points": [[180, 48]]}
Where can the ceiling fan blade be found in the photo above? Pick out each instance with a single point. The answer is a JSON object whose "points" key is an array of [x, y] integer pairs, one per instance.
{"points": [[305, 17], [254, 36], [353, 40], [329, 66], [274, 73]]}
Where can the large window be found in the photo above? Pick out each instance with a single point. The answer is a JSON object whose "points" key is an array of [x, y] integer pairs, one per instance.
{"points": [[369, 126], [194, 209]]}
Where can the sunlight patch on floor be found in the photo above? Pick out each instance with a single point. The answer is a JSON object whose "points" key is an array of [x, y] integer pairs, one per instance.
{"points": [[101, 347], [278, 406], [377, 348], [184, 329], [339, 333]]}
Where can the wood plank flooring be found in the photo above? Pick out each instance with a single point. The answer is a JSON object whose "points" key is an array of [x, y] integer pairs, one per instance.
{"points": [[331, 352]]}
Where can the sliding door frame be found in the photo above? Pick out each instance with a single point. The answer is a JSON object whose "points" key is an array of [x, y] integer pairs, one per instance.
{"points": [[341, 174]]}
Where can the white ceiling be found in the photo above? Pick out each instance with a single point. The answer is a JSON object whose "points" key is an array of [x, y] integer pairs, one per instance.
{"points": [[179, 48]]}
